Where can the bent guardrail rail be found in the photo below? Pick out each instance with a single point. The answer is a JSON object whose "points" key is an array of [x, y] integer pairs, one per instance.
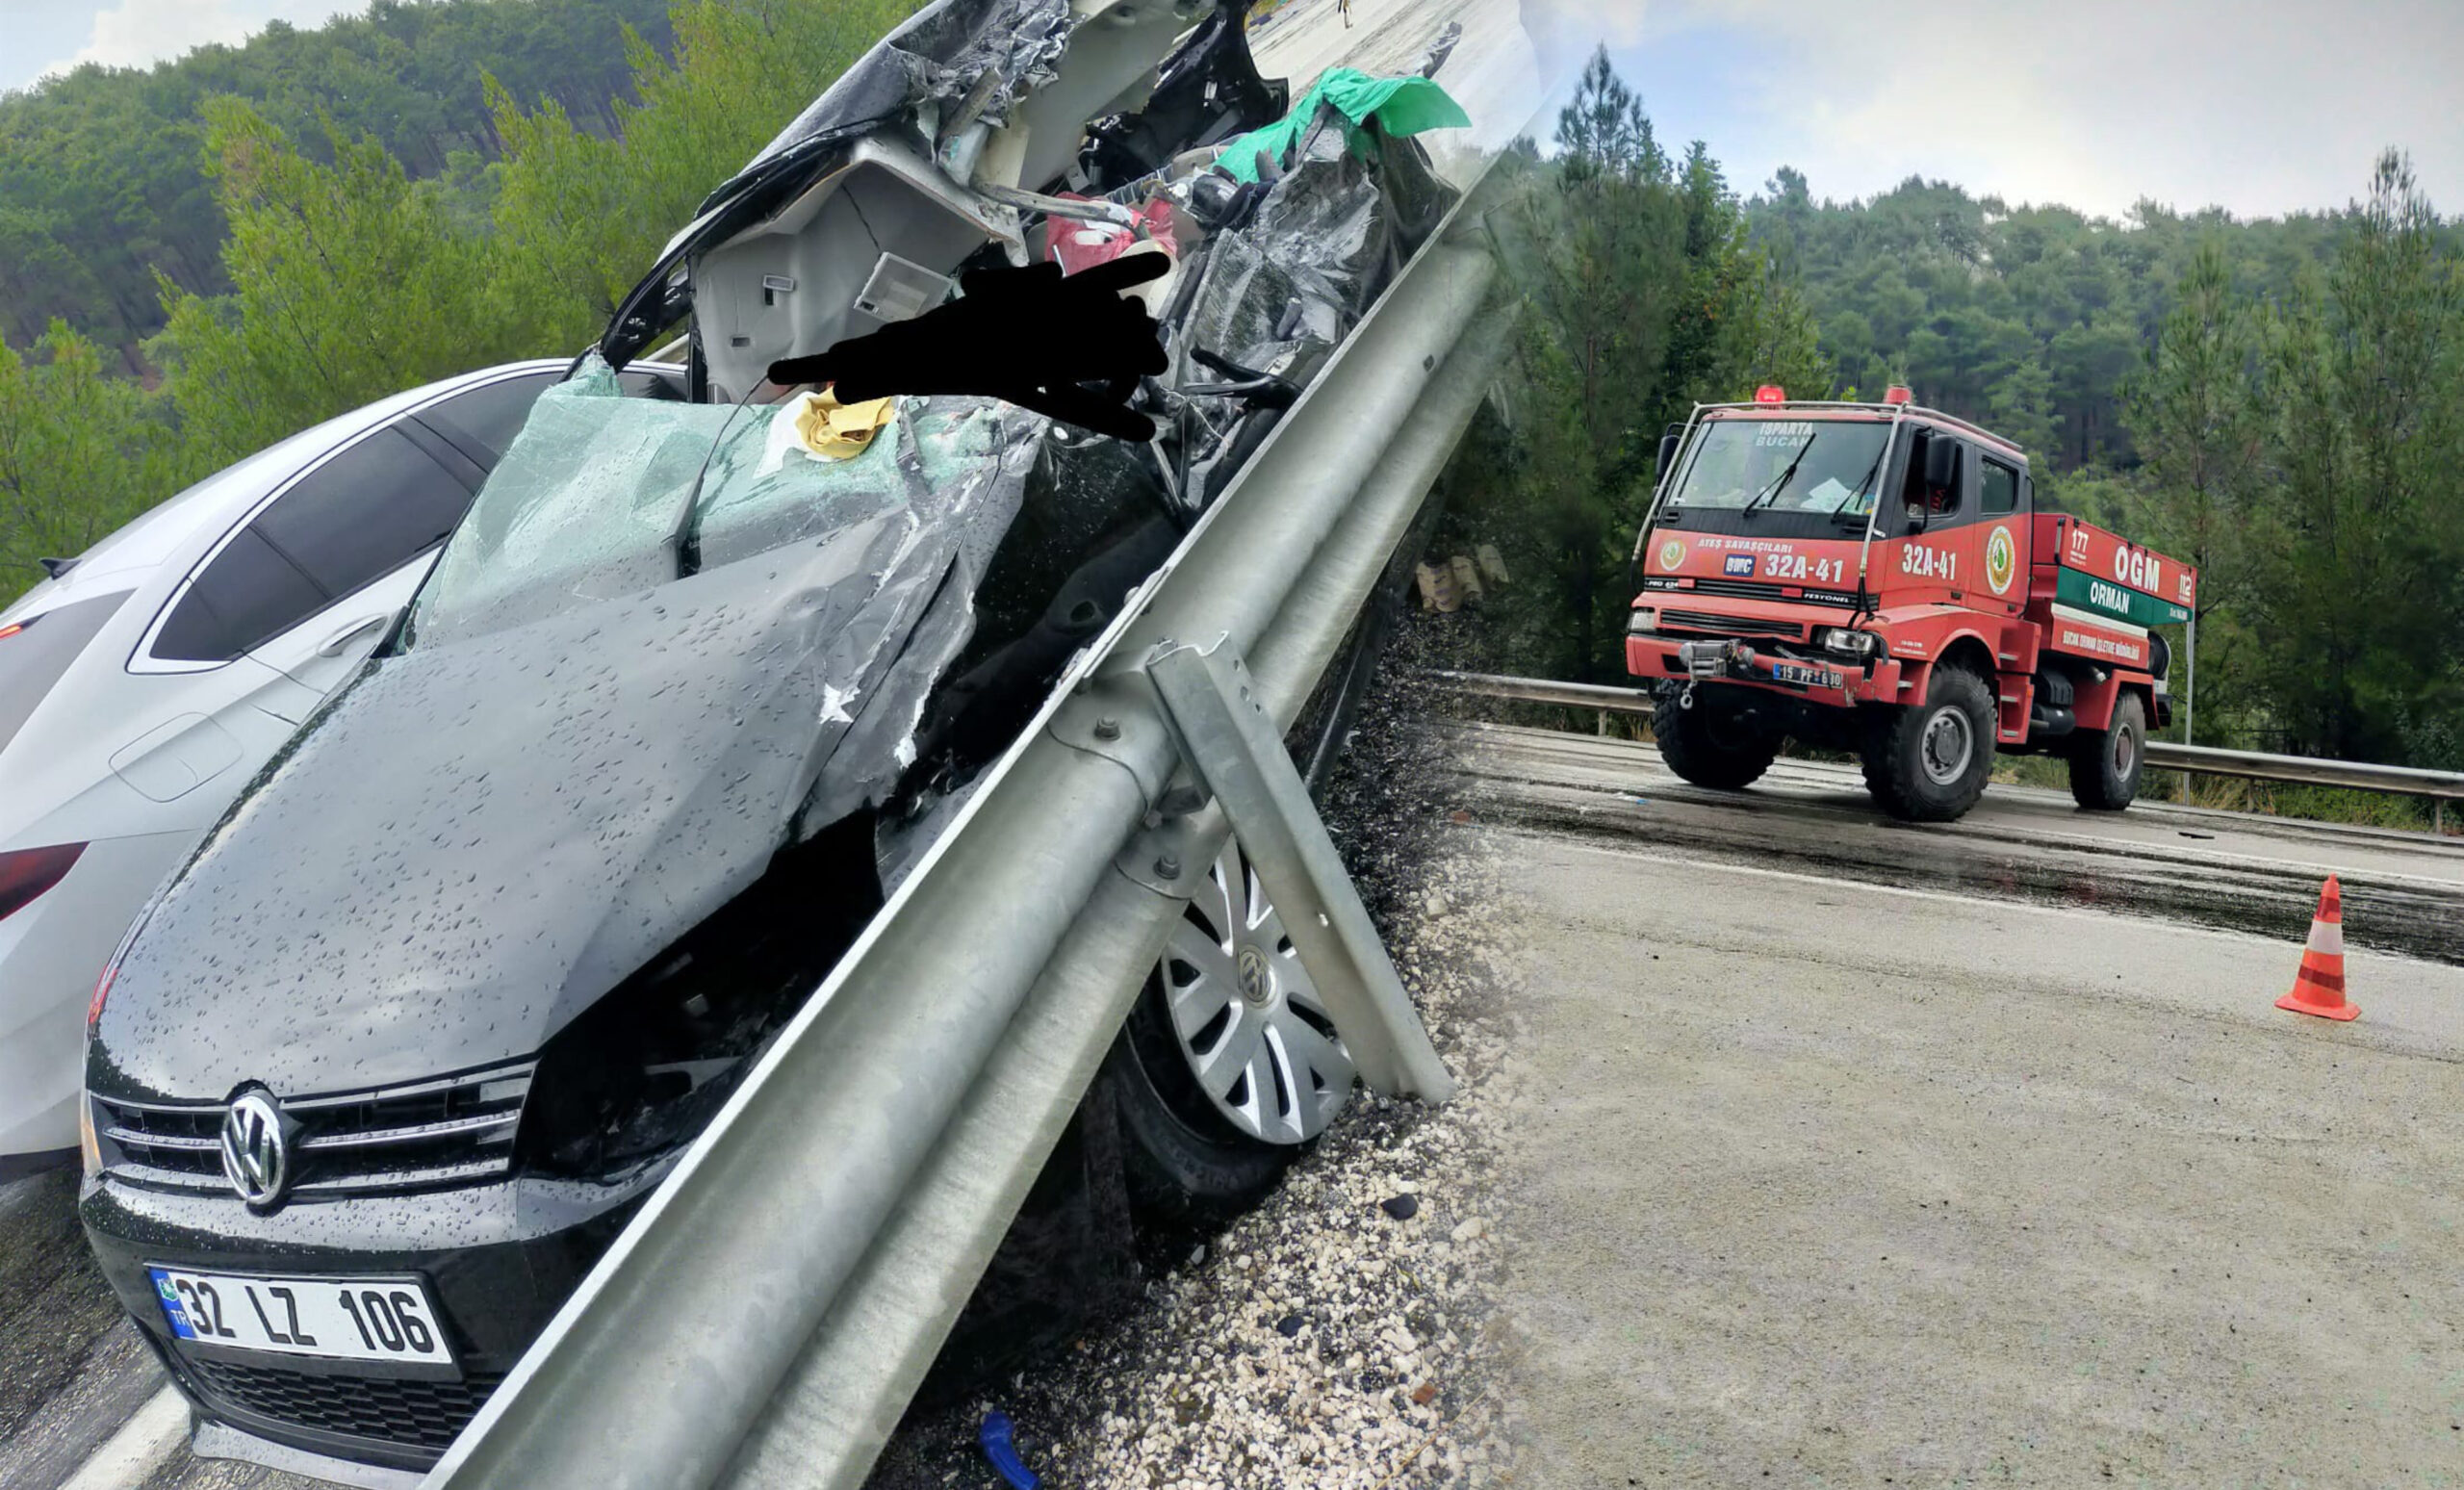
{"points": [[2438, 786], [766, 1316]]}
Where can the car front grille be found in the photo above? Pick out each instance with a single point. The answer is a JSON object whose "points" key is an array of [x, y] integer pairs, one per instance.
{"points": [[450, 1131], [414, 1414], [1730, 625]]}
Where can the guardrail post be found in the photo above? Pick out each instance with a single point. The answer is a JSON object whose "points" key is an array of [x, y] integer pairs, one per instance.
{"points": [[1228, 741]]}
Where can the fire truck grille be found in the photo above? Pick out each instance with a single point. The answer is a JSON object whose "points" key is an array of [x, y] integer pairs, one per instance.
{"points": [[1730, 625]]}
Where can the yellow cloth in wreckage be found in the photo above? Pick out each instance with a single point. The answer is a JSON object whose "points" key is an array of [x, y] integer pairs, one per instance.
{"points": [[831, 430]]}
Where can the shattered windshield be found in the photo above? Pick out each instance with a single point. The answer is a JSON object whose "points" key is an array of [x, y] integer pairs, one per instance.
{"points": [[1784, 465], [603, 496]]}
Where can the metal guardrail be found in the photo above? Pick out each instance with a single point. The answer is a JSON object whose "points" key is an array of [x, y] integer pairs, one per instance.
{"points": [[2307, 770], [767, 1314], [2438, 786]]}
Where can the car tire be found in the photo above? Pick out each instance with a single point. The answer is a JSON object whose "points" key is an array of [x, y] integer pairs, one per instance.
{"points": [[2105, 763], [1711, 744], [1928, 763], [1183, 1161]]}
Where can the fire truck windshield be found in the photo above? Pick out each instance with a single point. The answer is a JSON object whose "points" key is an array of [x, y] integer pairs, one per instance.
{"points": [[1739, 463]]}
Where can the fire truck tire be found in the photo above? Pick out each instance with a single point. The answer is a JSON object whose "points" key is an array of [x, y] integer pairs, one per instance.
{"points": [[1928, 763], [2104, 764], [1711, 744]]}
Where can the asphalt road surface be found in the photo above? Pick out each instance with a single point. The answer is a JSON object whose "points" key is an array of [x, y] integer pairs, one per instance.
{"points": [[1857, 1153]]}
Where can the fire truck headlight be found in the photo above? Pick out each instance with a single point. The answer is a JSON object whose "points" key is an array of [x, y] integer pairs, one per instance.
{"points": [[1848, 643], [1642, 622]]}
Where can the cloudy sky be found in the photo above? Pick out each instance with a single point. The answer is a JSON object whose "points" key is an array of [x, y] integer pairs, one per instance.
{"points": [[2260, 106], [40, 36]]}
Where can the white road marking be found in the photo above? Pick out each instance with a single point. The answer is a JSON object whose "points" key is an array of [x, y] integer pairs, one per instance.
{"points": [[151, 1435], [1967, 902]]}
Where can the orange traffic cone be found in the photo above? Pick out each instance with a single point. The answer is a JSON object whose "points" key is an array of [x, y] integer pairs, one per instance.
{"points": [[2320, 989]]}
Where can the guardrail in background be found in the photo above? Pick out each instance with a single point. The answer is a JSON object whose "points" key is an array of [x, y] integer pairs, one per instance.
{"points": [[2440, 787], [768, 1314]]}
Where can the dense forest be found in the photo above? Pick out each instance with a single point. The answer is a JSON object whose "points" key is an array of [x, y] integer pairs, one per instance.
{"points": [[102, 172], [346, 275], [2279, 401], [2275, 400], [2270, 400]]}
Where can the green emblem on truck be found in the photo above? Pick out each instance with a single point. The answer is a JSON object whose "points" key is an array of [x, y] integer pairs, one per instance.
{"points": [[2001, 561]]}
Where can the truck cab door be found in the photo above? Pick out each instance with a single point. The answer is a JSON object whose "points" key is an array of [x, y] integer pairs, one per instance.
{"points": [[1932, 557], [2002, 532]]}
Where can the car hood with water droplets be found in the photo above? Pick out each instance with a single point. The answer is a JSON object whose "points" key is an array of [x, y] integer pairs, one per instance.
{"points": [[473, 841]]}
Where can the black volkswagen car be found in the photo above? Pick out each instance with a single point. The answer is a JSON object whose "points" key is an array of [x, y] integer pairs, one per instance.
{"points": [[390, 1061]]}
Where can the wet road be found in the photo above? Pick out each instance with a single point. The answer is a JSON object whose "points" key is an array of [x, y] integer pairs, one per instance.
{"points": [[2402, 891], [82, 1401], [1854, 1153]]}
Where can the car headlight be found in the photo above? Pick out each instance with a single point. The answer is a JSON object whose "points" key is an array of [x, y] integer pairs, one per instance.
{"points": [[1642, 622], [585, 1121], [1849, 643]]}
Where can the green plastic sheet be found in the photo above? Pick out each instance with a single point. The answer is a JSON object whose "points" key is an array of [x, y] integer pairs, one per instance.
{"points": [[1400, 106]]}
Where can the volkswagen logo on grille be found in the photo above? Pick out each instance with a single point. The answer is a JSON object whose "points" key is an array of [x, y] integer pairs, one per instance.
{"points": [[256, 1147]]}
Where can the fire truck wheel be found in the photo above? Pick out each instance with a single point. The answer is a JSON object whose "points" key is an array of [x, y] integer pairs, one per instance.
{"points": [[2104, 764], [1928, 763], [1714, 744]]}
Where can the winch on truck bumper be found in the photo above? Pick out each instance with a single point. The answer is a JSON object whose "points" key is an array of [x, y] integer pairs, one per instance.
{"points": [[1729, 659]]}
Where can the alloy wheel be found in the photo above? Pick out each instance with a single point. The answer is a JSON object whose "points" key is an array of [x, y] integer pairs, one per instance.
{"points": [[1246, 1016]]}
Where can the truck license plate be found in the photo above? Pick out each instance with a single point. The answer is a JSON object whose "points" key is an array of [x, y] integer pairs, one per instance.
{"points": [[1806, 677]]}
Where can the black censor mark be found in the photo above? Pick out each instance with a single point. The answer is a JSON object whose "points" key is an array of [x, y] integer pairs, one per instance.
{"points": [[1072, 348]]}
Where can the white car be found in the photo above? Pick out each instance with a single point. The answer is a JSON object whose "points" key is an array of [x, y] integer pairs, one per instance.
{"points": [[143, 685]]}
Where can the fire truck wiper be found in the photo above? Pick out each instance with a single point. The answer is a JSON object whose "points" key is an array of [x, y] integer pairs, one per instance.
{"points": [[1858, 490], [1782, 484]]}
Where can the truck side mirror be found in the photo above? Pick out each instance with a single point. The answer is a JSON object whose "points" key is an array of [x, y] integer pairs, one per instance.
{"points": [[1667, 453], [1938, 469], [1941, 462]]}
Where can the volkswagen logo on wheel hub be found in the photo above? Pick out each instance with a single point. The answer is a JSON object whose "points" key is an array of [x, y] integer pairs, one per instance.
{"points": [[1256, 974], [256, 1147]]}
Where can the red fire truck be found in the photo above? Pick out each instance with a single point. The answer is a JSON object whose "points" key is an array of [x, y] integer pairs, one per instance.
{"points": [[1874, 578]]}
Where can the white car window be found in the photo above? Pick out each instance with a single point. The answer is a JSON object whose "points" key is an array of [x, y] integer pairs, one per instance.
{"points": [[361, 515]]}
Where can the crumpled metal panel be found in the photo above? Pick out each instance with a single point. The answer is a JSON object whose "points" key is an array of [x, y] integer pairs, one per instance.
{"points": [[937, 57], [483, 833]]}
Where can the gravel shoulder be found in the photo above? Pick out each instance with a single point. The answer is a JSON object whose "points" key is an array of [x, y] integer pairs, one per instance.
{"points": [[1322, 1339]]}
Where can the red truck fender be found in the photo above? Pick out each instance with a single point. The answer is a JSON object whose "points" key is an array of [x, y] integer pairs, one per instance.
{"points": [[1919, 636]]}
